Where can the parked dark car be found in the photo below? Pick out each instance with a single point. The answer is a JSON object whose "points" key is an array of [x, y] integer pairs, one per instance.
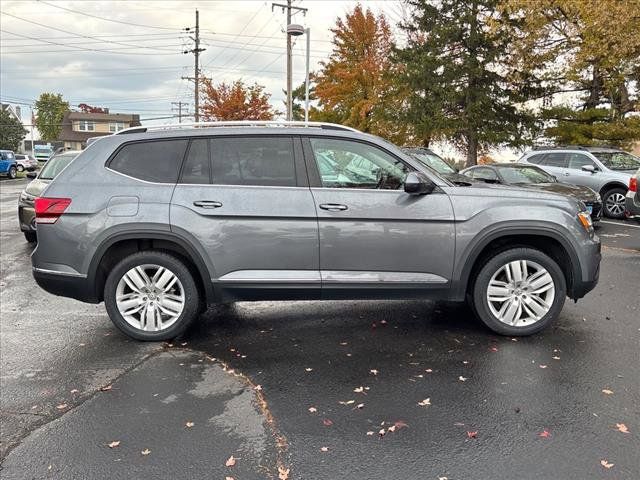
{"points": [[26, 213], [435, 162], [633, 198], [529, 176]]}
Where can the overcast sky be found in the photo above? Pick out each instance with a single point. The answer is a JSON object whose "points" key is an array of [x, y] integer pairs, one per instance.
{"points": [[78, 48]]}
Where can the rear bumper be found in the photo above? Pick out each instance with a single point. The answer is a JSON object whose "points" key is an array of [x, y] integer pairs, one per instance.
{"points": [[65, 285], [632, 205], [26, 218]]}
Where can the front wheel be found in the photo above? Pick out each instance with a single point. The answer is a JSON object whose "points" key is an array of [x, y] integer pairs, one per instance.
{"points": [[13, 173], [151, 296], [519, 292], [614, 203]]}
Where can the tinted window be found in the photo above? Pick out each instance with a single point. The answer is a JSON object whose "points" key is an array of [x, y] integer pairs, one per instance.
{"points": [[536, 159], [253, 161], [484, 173], [555, 160], [347, 164], [157, 161], [196, 166], [577, 160], [54, 166]]}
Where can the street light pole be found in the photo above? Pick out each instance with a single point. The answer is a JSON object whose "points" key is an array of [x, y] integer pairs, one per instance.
{"points": [[306, 78]]}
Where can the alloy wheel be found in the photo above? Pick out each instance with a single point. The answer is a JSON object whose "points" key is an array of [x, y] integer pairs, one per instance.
{"points": [[150, 297], [615, 204], [520, 293]]}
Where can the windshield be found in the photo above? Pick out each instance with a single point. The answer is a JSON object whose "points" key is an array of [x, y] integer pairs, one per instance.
{"points": [[434, 161], [525, 175], [618, 160], [54, 166]]}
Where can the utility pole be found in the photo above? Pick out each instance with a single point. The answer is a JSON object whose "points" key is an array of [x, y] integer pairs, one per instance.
{"points": [[288, 7], [196, 72], [179, 105]]}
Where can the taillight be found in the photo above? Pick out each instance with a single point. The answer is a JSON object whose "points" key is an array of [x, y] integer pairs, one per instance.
{"points": [[633, 184], [49, 209]]}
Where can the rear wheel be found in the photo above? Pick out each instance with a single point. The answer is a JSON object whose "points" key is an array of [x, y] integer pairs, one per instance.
{"points": [[30, 237], [20, 168], [614, 202], [519, 291], [151, 296]]}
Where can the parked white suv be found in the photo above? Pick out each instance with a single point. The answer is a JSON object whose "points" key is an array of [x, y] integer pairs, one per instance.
{"points": [[605, 170]]}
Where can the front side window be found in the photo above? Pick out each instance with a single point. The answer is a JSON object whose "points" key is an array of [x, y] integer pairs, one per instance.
{"points": [[157, 161], [348, 164], [555, 159], [578, 160], [86, 126], [618, 160], [259, 161]]}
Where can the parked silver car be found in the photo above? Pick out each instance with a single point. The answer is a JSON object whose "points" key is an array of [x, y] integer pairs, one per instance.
{"points": [[605, 170], [26, 162], [158, 222]]}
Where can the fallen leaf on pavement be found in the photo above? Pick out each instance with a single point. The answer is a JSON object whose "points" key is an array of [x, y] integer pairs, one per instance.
{"points": [[308, 369], [400, 424], [556, 358], [348, 402], [428, 370], [75, 390], [114, 444], [326, 422], [228, 478], [360, 406], [462, 379], [231, 461], [283, 473], [472, 434], [425, 402], [373, 372], [324, 449], [606, 464], [606, 391], [493, 349], [544, 434], [62, 406], [370, 433], [392, 428], [621, 427], [359, 389], [543, 366], [382, 432], [189, 424], [313, 409], [258, 388], [146, 451], [106, 388]]}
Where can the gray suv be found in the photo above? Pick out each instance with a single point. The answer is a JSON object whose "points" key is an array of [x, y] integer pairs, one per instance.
{"points": [[605, 170], [159, 222]]}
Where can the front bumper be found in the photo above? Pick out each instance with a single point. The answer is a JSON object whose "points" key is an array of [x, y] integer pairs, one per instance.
{"points": [[596, 210], [26, 217], [590, 266]]}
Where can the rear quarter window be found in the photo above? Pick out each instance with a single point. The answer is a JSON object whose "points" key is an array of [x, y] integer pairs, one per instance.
{"points": [[152, 161]]}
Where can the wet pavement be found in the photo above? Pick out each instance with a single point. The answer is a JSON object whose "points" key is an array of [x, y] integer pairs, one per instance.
{"points": [[354, 390]]}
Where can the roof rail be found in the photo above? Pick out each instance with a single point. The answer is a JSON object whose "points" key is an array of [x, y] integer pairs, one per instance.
{"points": [[238, 123], [560, 147]]}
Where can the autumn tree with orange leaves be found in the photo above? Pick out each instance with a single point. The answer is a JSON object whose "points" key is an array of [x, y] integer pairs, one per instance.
{"points": [[234, 101], [356, 85]]}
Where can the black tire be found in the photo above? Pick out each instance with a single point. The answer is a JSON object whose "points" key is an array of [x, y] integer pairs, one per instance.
{"points": [[30, 237], [178, 268], [13, 172], [492, 265], [20, 168], [607, 196]]}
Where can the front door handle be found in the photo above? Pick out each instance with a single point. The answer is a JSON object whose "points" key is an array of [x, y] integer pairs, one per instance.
{"points": [[566, 174], [333, 207], [207, 204]]}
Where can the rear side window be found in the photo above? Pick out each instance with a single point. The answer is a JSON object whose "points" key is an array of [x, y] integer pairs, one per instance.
{"points": [[157, 161], [535, 159], [261, 161], [196, 166], [555, 159]]}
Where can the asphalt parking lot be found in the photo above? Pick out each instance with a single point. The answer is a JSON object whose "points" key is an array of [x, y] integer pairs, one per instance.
{"points": [[310, 390]]}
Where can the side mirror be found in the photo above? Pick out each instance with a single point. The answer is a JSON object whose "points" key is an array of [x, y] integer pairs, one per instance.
{"points": [[416, 183], [589, 168], [32, 175]]}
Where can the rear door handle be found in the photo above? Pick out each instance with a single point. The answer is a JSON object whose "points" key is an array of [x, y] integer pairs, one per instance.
{"points": [[207, 204], [333, 207], [567, 174]]}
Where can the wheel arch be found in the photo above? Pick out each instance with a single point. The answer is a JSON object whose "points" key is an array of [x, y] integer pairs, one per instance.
{"points": [[549, 241], [116, 247], [611, 185]]}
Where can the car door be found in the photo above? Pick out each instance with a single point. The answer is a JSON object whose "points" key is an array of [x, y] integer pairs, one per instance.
{"points": [[246, 201], [555, 163], [374, 237], [577, 176], [5, 162]]}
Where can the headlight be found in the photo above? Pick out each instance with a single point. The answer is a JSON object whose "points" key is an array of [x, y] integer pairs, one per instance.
{"points": [[585, 221], [25, 197]]}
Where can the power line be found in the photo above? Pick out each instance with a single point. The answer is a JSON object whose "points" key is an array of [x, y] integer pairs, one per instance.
{"points": [[108, 19], [72, 33]]}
